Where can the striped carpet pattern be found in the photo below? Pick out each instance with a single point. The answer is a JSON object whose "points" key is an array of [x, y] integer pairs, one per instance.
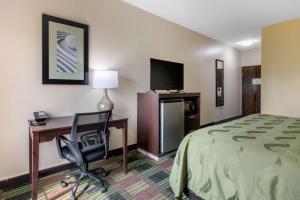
{"points": [[147, 179]]}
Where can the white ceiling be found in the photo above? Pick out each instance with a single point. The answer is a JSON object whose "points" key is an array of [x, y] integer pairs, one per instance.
{"points": [[228, 21]]}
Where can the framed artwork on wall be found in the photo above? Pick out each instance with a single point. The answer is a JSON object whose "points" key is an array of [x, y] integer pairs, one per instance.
{"points": [[65, 51], [219, 82]]}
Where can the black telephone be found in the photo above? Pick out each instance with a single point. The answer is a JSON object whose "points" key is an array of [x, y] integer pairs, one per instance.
{"points": [[39, 118]]}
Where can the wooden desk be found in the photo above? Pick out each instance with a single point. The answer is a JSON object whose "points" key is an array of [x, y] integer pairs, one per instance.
{"points": [[57, 127]]}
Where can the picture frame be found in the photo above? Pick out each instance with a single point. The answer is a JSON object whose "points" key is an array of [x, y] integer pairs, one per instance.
{"points": [[65, 51], [219, 83]]}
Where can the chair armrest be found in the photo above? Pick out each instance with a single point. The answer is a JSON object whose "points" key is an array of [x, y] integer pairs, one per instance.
{"points": [[66, 141], [73, 147]]}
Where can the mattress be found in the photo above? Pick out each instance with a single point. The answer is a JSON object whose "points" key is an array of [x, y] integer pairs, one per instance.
{"points": [[253, 158]]}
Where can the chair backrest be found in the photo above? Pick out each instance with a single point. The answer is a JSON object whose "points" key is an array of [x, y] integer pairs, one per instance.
{"points": [[91, 129]]}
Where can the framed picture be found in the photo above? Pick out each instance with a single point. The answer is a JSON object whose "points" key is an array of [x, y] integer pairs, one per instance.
{"points": [[65, 51], [219, 82]]}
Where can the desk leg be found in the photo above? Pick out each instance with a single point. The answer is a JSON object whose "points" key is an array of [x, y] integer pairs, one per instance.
{"points": [[125, 152], [35, 166], [30, 157]]}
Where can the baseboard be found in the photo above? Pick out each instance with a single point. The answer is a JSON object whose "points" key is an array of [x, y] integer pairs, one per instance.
{"points": [[156, 158], [229, 119], [23, 179], [119, 151], [207, 125], [221, 121]]}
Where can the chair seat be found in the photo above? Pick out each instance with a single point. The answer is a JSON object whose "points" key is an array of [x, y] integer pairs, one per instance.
{"points": [[89, 156]]}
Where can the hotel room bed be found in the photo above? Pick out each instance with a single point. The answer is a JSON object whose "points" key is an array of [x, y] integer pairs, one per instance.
{"points": [[252, 158]]}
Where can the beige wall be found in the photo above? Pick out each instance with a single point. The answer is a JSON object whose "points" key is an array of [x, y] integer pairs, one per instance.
{"points": [[122, 37], [281, 69], [251, 57]]}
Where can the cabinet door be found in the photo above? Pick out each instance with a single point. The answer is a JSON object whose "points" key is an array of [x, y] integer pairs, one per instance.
{"points": [[192, 123]]}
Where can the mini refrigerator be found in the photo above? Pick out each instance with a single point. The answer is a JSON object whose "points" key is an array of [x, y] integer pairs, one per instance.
{"points": [[171, 124]]}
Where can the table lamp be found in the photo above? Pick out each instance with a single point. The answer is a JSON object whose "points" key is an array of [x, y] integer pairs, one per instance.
{"points": [[105, 79]]}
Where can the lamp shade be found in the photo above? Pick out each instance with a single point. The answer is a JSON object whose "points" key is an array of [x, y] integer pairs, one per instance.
{"points": [[105, 79]]}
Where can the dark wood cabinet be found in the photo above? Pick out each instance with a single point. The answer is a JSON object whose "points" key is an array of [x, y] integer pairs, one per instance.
{"points": [[148, 118], [191, 123]]}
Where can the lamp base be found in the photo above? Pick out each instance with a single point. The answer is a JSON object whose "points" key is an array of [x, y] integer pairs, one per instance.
{"points": [[105, 103]]}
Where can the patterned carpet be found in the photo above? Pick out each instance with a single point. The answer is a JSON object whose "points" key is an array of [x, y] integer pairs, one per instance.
{"points": [[146, 179]]}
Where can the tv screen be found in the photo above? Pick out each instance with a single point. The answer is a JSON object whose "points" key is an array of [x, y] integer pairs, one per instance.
{"points": [[165, 75]]}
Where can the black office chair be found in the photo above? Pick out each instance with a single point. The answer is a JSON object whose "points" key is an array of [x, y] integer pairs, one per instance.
{"points": [[89, 141]]}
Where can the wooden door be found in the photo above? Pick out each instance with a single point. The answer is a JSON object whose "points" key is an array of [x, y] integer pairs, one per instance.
{"points": [[251, 89]]}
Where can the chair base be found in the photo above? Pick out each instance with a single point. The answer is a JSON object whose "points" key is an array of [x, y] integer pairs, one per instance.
{"points": [[80, 177]]}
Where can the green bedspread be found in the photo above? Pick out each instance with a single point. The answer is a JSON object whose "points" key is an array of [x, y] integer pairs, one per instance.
{"points": [[253, 158]]}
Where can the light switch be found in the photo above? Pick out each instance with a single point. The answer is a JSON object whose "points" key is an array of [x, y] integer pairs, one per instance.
{"points": [[219, 92]]}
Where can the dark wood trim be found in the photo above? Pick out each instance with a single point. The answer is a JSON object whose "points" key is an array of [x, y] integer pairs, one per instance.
{"points": [[252, 66], [177, 95], [229, 119], [207, 125], [119, 151], [24, 179], [148, 122], [125, 148], [222, 121]]}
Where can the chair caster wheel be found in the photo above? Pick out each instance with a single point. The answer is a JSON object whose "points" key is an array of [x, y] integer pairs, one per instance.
{"points": [[73, 198], [102, 189], [104, 174], [63, 184]]}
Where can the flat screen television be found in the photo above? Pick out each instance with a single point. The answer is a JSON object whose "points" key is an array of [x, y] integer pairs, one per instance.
{"points": [[166, 75]]}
